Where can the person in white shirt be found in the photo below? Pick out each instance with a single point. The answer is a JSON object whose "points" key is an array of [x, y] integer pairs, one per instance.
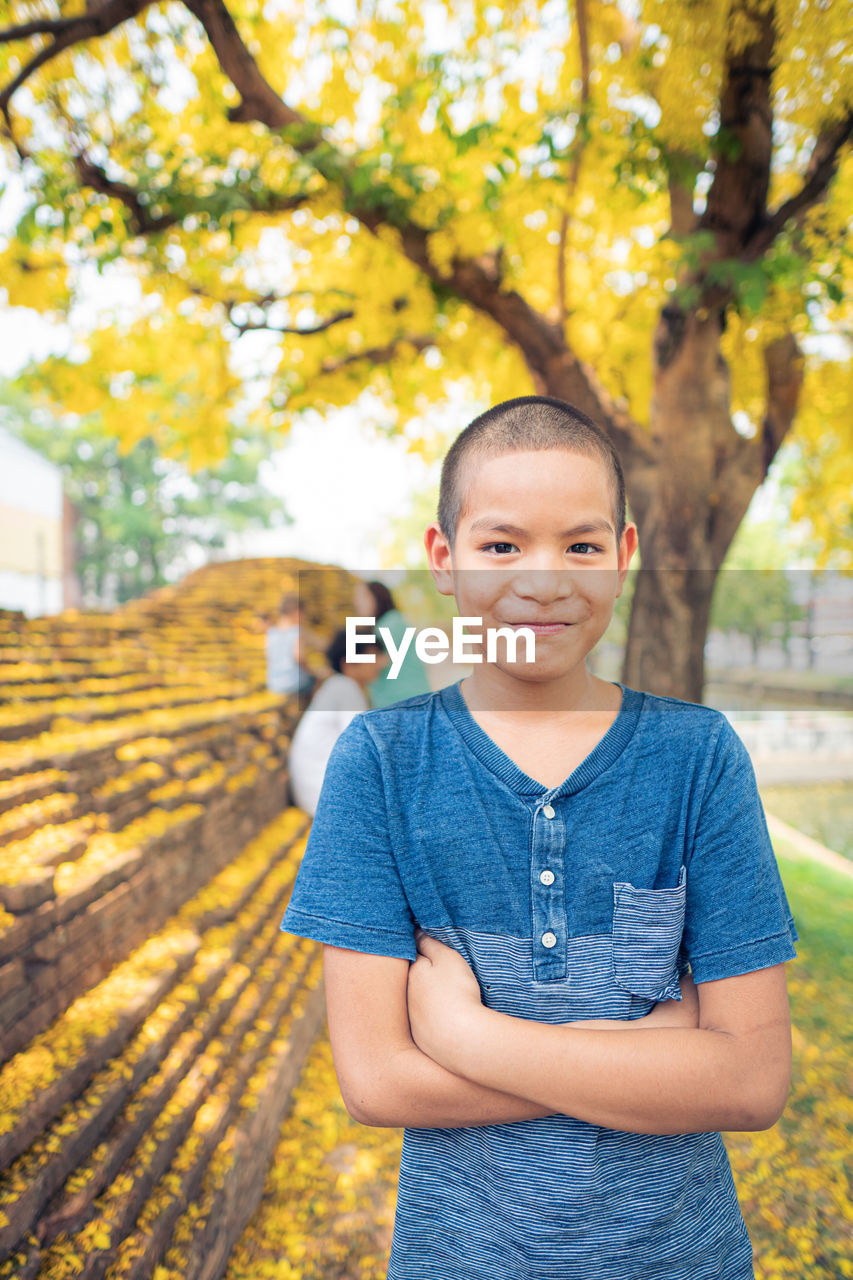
{"points": [[336, 701]]}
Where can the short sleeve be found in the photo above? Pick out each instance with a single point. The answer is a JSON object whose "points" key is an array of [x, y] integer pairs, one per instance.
{"points": [[737, 917], [348, 891]]}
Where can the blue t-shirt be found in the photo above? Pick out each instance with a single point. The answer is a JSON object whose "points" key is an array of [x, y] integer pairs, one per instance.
{"points": [[584, 900]]}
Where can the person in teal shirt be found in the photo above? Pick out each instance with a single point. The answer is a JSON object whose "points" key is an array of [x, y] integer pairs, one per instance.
{"points": [[374, 600]]}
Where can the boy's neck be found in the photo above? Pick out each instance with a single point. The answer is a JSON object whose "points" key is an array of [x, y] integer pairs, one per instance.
{"points": [[490, 689]]}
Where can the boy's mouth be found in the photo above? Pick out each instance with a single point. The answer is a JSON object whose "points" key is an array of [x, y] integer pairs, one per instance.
{"points": [[542, 628]]}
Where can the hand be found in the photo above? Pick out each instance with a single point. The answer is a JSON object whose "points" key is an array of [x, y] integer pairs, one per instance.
{"points": [[443, 995]]}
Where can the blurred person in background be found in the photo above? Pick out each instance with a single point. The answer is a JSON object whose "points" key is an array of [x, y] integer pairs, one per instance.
{"points": [[286, 669], [374, 600], [336, 701]]}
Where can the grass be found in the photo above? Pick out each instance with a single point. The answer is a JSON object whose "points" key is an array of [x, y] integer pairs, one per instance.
{"points": [[822, 810], [821, 902]]}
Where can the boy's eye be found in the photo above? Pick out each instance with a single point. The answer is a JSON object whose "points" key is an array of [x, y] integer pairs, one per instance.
{"points": [[587, 547]]}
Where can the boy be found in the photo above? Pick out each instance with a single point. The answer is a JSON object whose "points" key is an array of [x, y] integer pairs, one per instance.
{"points": [[531, 857]]}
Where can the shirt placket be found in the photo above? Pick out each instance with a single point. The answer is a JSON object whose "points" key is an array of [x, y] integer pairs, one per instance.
{"points": [[548, 893]]}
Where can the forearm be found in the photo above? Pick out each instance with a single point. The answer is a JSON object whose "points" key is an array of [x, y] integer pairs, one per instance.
{"points": [[416, 1092], [385, 1079], [411, 1090], [640, 1080]]}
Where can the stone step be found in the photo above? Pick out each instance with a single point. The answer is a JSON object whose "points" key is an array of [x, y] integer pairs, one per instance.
{"points": [[91, 1119], [38, 1081], [62, 749], [28, 787], [210, 1221], [188, 1127], [85, 916]]}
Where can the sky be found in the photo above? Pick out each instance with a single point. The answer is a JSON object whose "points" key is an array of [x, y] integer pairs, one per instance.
{"points": [[342, 512]]}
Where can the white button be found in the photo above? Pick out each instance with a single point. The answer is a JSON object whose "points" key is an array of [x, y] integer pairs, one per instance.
{"points": [[547, 877], [548, 940], [548, 811]]}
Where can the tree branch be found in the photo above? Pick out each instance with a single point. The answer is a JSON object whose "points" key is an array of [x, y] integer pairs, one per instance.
{"points": [[476, 281], [252, 326], [822, 166], [271, 300], [259, 100], [550, 360], [381, 354], [66, 32], [143, 221], [783, 363], [40, 27], [267, 301], [737, 200], [574, 171]]}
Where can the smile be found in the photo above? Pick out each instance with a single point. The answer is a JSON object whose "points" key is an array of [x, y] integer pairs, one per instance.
{"points": [[541, 628]]}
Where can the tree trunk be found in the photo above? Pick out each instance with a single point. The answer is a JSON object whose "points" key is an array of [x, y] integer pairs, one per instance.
{"points": [[689, 482], [707, 475], [665, 651]]}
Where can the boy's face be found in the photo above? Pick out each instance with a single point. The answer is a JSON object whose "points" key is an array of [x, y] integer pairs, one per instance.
{"points": [[536, 543]]}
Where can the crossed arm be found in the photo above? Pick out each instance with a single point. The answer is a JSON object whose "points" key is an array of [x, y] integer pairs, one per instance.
{"points": [[413, 1045]]}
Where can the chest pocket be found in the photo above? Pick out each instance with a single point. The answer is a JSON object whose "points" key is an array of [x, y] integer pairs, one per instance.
{"points": [[647, 929]]}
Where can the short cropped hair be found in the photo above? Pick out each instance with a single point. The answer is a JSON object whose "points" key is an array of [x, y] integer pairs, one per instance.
{"points": [[522, 424]]}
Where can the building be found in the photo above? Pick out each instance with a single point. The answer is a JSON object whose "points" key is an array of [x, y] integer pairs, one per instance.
{"points": [[36, 532]]}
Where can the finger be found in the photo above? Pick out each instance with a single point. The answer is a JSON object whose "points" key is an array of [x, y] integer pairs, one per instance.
{"points": [[426, 945]]}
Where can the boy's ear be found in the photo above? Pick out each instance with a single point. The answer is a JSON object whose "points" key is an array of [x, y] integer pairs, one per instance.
{"points": [[440, 558], [627, 547]]}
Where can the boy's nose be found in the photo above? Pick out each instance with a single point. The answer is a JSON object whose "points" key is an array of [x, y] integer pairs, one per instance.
{"points": [[545, 584]]}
